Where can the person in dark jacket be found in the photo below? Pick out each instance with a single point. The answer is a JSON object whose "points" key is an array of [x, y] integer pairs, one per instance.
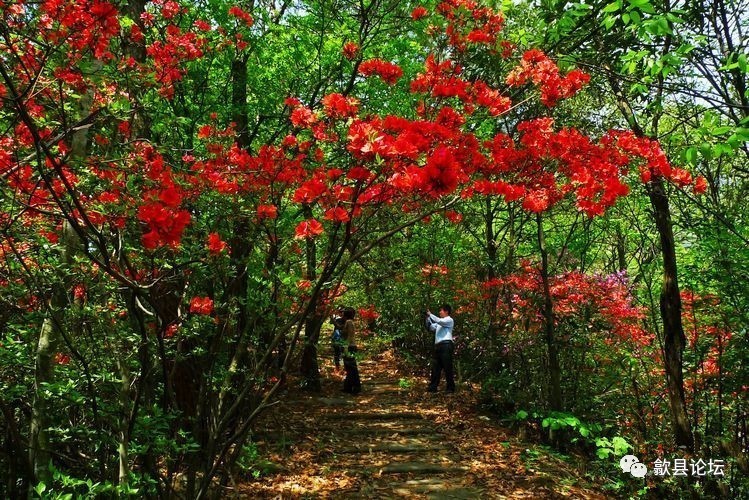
{"points": [[352, 382], [337, 338]]}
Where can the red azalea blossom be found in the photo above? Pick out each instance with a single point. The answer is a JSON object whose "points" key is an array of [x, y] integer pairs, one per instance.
{"points": [[337, 214], [267, 212], [215, 245], [339, 106], [171, 331], [303, 117], [350, 50], [62, 359], [79, 292], [700, 186], [308, 229], [440, 174], [453, 216], [243, 16], [201, 305], [389, 72], [419, 13], [368, 314]]}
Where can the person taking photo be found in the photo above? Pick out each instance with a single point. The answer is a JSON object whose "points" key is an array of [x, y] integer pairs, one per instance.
{"points": [[444, 348]]}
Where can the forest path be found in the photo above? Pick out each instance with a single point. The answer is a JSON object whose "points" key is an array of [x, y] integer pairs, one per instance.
{"points": [[395, 440]]}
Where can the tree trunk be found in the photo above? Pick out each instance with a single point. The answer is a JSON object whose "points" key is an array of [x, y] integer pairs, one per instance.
{"points": [[309, 366], [239, 101], [39, 448], [124, 400], [555, 375], [47, 346], [670, 299], [670, 307]]}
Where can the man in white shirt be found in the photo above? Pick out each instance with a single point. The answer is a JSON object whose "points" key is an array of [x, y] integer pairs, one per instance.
{"points": [[442, 327]]}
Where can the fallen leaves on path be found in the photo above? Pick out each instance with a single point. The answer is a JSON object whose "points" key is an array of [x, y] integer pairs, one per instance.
{"points": [[395, 440]]}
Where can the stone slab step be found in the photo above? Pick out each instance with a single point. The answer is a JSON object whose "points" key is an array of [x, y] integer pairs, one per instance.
{"points": [[373, 416], [391, 448], [438, 488], [381, 432], [421, 468]]}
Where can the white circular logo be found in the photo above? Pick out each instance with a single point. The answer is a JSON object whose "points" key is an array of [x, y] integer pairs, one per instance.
{"points": [[627, 462], [638, 470]]}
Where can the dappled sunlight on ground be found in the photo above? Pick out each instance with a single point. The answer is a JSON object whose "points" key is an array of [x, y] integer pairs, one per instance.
{"points": [[395, 440]]}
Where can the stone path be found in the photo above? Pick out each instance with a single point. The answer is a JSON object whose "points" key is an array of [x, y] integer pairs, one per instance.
{"points": [[393, 440]]}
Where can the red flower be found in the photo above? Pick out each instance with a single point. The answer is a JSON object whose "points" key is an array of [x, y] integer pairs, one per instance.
{"points": [[267, 212], [124, 128], [453, 216], [201, 305], [171, 197], [337, 214], [419, 12], [165, 225], [215, 244], [303, 117], [338, 106], [79, 292], [536, 201], [310, 191], [202, 25], [308, 229], [389, 72], [241, 15], [440, 175], [62, 359], [171, 331], [368, 314], [700, 186], [350, 50]]}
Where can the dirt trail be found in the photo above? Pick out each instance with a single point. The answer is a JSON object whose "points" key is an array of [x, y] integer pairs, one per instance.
{"points": [[395, 440]]}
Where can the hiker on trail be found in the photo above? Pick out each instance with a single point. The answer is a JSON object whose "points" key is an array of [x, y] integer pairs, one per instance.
{"points": [[442, 358], [352, 382], [337, 338]]}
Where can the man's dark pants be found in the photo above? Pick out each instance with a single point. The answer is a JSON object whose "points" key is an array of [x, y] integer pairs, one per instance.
{"points": [[443, 359], [352, 382]]}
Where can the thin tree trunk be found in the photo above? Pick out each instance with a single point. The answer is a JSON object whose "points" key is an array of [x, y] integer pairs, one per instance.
{"points": [[47, 346], [309, 366], [670, 298], [555, 375], [124, 400], [239, 101], [670, 307]]}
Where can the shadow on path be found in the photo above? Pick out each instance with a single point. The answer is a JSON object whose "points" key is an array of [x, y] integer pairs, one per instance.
{"points": [[395, 440]]}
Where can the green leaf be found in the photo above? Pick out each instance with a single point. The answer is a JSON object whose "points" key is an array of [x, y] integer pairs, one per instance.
{"points": [[40, 488], [603, 453], [691, 155], [720, 130], [521, 415], [621, 446], [742, 63], [613, 7]]}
